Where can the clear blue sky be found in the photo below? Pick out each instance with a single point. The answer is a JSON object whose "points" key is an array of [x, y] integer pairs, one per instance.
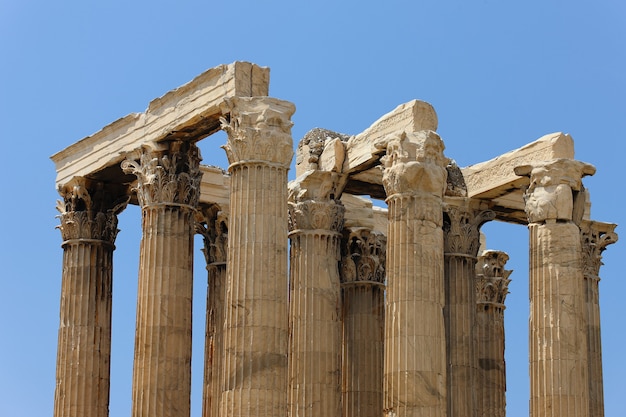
{"points": [[499, 73]]}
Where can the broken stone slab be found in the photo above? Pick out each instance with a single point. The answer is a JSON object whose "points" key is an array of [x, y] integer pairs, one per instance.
{"points": [[496, 177], [190, 112], [408, 117]]}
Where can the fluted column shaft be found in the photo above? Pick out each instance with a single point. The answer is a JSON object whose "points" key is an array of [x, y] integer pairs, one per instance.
{"points": [[559, 383], [213, 227], [259, 149], [167, 190], [595, 237], [415, 345], [461, 240], [491, 290], [88, 227], [363, 290]]}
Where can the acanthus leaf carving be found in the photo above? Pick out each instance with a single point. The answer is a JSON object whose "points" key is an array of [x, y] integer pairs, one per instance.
{"points": [[363, 256], [212, 225], [167, 177], [89, 210], [492, 280], [259, 129], [461, 228], [594, 240]]}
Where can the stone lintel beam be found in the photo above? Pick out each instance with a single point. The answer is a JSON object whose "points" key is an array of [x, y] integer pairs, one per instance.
{"points": [[360, 212], [355, 156], [189, 112], [214, 186], [496, 181]]}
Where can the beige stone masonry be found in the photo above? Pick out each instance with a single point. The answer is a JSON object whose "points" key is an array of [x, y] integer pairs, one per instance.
{"points": [[212, 225], [189, 112], [259, 150], [316, 220], [88, 226], [168, 187], [461, 227], [415, 345], [559, 368], [492, 282], [595, 237], [363, 293]]}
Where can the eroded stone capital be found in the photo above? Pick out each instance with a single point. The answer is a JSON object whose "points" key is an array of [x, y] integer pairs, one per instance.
{"points": [[414, 163], [492, 280], [212, 225], [461, 227], [89, 209], [167, 177], [316, 215], [363, 256], [259, 129], [595, 237], [555, 191]]}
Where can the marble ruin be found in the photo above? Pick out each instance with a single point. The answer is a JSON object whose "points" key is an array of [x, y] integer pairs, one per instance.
{"points": [[319, 303]]}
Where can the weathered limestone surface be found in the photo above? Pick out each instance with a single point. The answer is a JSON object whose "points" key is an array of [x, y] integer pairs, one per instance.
{"points": [[559, 373], [595, 237], [492, 282], [415, 344], [89, 227], [363, 288], [316, 220], [168, 187], [313, 345], [212, 224], [190, 112], [259, 150], [461, 227]]}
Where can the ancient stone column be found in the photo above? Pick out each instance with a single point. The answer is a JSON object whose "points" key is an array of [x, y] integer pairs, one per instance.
{"points": [[259, 150], [168, 187], [213, 226], [316, 220], [555, 198], [88, 227], [414, 178], [461, 229], [595, 237], [363, 288], [492, 283]]}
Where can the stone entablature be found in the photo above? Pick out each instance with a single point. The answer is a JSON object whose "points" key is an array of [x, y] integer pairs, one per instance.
{"points": [[382, 311]]}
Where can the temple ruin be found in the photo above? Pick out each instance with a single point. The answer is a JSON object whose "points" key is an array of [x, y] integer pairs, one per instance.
{"points": [[321, 304]]}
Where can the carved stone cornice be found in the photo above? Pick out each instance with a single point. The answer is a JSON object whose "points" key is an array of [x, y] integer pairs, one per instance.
{"points": [[555, 191], [595, 237], [363, 256], [169, 177], [461, 227], [212, 225], [414, 163], [259, 129], [492, 280], [89, 210]]}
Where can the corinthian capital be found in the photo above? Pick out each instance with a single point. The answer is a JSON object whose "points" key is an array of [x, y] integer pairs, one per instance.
{"points": [[167, 177], [555, 191], [461, 228], [595, 237], [313, 202], [259, 129], [363, 256], [89, 209], [414, 163], [492, 280]]}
